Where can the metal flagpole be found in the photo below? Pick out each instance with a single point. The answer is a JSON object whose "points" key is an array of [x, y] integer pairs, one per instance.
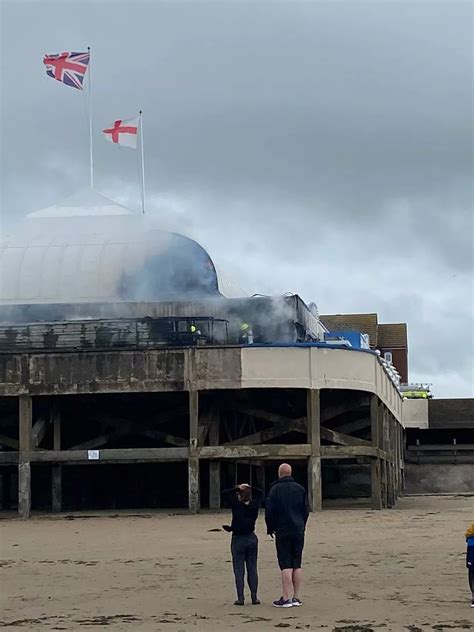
{"points": [[143, 162], [91, 153]]}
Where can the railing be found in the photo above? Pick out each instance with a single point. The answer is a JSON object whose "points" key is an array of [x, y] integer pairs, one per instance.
{"points": [[101, 334]]}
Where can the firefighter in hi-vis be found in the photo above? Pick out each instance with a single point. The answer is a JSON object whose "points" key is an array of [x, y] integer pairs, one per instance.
{"points": [[246, 334]]}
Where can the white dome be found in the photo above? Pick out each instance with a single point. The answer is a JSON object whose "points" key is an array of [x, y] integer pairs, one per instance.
{"points": [[91, 249]]}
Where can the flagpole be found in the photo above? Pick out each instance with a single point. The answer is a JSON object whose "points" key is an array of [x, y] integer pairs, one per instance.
{"points": [[142, 162], [91, 153]]}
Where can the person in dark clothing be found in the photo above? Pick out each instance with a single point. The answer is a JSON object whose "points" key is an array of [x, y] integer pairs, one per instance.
{"points": [[470, 560], [245, 502], [286, 515]]}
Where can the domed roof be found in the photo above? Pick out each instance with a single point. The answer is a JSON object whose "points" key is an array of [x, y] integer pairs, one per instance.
{"points": [[91, 249], [86, 202]]}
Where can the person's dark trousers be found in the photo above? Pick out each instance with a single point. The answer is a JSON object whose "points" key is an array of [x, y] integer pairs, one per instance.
{"points": [[244, 554], [471, 579]]}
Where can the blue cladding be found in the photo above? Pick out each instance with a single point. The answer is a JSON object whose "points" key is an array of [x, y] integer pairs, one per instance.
{"points": [[354, 337]]}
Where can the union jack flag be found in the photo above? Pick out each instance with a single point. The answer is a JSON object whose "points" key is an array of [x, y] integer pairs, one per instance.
{"points": [[70, 68]]}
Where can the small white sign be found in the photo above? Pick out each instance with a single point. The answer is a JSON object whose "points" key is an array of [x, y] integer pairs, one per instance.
{"points": [[93, 455]]}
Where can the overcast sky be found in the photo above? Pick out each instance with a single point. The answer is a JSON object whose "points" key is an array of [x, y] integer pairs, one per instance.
{"points": [[322, 148]]}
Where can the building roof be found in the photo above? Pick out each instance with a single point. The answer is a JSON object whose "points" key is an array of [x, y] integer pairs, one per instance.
{"points": [[363, 323], [392, 336]]}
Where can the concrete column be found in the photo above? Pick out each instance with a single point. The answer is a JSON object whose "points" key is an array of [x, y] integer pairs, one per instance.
{"points": [[25, 415], [375, 466], [193, 460], [214, 466], [56, 472], [313, 419]]}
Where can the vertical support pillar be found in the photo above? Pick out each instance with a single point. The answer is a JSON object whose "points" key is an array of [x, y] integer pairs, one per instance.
{"points": [[214, 466], [402, 458], [375, 465], [398, 459], [386, 447], [193, 459], [25, 415], [6, 488], [260, 476], [389, 501], [313, 420], [56, 472]]}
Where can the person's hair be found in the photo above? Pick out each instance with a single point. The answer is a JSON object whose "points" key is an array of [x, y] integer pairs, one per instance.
{"points": [[245, 495]]}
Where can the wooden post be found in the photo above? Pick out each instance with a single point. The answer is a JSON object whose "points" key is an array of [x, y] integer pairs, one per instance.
{"points": [[385, 446], [397, 457], [214, 466], [25, 414], [313, 420], [402, 458], [193, 459], [260, 476], [6, 488], [56, 472], [390, 464], [375, 465]]}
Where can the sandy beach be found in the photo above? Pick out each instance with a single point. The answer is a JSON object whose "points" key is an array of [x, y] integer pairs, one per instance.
{"points": [[400, 569]]}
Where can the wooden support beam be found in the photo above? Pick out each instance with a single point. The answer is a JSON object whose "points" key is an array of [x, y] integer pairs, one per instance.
{"points": [[193, 459], [119, 455], [340, 438], [56, 471], [39, 430], [354, 426], [9, 442], [273, 418], [126, 429], [351, 452], [279, 429], [376, 466], [25, 414], [272, 451], [92, 444], [9, 458], [214, 466], [313, 422]]}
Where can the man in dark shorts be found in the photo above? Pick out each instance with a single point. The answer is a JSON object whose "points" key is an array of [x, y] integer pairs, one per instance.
{"points": [[286, 515]]}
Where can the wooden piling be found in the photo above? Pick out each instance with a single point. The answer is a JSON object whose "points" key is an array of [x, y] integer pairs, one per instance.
{"points": [[193, 458], [25, 415], [375, 467], [313, 417]]}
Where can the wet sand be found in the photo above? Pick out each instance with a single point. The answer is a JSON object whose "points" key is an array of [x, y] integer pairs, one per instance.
{"points": [[400, 569]]}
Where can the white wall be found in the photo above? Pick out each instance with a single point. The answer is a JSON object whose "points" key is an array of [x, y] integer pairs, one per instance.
{"points": [[415, 413]]}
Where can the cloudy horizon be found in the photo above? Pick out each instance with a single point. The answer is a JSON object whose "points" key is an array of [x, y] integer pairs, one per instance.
{"points": [[321, 148]]}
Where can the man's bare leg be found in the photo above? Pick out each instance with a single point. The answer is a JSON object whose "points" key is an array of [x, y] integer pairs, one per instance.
{"points": [[287, 583], [296, 579]]}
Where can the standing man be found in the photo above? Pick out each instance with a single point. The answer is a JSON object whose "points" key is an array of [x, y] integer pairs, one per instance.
{"points": [[286, 515]]}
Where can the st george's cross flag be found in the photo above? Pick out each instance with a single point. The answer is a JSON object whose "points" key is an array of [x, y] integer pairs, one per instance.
{"points": [[123, 132], [69, 68]]}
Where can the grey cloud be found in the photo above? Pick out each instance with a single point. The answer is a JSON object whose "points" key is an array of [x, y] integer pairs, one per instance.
{"points": [[319, 147]]}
